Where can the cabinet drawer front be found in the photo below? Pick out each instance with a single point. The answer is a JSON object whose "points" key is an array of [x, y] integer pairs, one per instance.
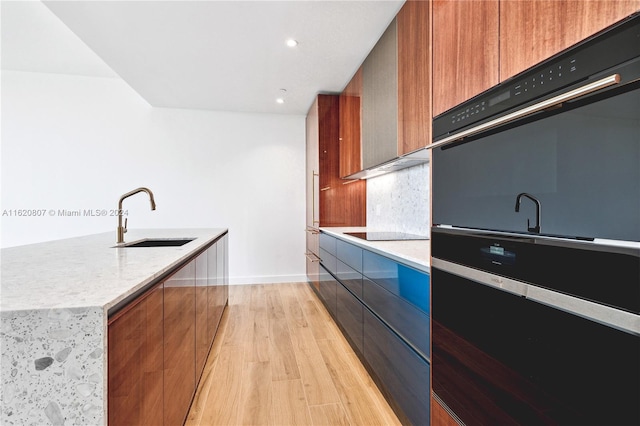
{"points": [[401, 280], [327, 290], [328, 261], [404, 374], [328, 243], [349, 315], [350, 278], [409, 322], [349, 254]]}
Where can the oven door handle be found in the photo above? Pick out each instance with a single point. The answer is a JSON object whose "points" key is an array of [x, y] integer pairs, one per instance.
{"points": [[540, 106], [603, 314]]}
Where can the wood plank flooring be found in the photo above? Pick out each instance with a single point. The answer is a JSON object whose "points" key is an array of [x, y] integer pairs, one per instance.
{"points": [[279, 359]]}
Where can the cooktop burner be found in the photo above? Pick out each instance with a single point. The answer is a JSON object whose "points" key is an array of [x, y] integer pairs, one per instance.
{"points": [[386, 236]]}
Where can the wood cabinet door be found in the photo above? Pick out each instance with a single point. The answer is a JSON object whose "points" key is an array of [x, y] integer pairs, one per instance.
{"points": [[202, 336], [179, 344], [414, 76], [465, 50], [534, 30], [135, 357], [350, 153]]}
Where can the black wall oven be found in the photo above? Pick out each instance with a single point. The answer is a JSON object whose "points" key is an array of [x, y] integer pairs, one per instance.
{"points": [[536, 243]]}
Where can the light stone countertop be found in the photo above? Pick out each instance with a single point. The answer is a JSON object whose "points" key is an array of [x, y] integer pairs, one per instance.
{"points": [[54, 303], [414, 253], [88, 271]]}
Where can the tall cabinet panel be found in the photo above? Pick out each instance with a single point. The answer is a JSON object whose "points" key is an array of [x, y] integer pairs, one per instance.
{"points": [[179, 344], [331, 201], [533, 30], [465, 50], [135, 362]]}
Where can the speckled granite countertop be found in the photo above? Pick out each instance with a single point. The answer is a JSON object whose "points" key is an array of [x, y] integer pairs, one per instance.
{"points": [[415, 253], [54, 302], [88, 271]]}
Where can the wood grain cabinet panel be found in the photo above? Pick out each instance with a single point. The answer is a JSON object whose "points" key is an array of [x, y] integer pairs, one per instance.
{"points": [[334, 201], [465, 50], [414, 76], [534, 30], [135, 357], [350, 152], [179, 344]]}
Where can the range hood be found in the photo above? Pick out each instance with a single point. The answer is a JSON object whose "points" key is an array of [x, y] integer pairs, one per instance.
{"points": [[414, 158]]}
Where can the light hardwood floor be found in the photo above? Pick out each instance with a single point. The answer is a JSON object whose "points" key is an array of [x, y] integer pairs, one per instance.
{"points": [[279, 359]]}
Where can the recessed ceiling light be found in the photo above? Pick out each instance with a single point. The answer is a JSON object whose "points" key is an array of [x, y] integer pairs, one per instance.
{"points": [[292, 43], [280, 100]]}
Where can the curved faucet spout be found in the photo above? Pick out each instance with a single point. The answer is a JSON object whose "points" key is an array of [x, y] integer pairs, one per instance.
{"points": [[536, 228], [122, 229]]}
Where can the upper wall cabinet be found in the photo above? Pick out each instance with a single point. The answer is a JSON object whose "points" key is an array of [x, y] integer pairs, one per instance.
{"points": [[350, 138], [477, 44], [533, 30], [465, 50], [394, 99]]}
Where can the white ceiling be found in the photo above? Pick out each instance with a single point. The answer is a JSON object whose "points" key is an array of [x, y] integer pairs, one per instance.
{"points": [[215, 55]]}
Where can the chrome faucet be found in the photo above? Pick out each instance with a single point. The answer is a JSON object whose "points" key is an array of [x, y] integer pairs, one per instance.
{"points": [[122, 229], [536, 228]]}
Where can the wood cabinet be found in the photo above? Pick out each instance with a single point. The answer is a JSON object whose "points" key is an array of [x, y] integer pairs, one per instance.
{"points": [[465, 50], [135, 362], [439, 416], [477, 44], [179, 344], [350, 151], [158, 344], [534, 30], [331, 201], [396, 88]]}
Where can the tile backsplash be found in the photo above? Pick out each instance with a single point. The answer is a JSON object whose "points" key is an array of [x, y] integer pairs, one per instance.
{"points": [[399, 201]]}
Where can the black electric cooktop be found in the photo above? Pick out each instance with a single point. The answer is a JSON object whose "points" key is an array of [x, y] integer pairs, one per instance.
{"points": [[386, 236]]}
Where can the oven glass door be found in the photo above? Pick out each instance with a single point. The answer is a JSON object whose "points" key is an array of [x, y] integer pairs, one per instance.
{"points": [[581, 162], [501, 359]]}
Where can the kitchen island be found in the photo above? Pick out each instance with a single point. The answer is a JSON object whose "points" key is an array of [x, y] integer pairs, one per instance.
{"points": [[55, 302]]}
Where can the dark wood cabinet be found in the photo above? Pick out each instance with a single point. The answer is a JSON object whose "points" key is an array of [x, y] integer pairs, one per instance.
{"points": [[179, 344], [534, 30], [350, 152], [465, 50], [331, 201], [135, 357], [477, 44], [159, 343]]}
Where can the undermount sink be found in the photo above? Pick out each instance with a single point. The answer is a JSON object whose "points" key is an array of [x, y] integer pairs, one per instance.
{"points": [[159, 242]]}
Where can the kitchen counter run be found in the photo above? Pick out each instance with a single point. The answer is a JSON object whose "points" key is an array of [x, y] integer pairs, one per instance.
{"points": [[414, 253], [54, 303]]}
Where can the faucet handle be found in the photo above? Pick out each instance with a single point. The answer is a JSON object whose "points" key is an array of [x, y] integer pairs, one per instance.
{"points": [[125, 225]]}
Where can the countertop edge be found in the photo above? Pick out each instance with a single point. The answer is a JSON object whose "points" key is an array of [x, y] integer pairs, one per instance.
{"points": [[401, 251]]}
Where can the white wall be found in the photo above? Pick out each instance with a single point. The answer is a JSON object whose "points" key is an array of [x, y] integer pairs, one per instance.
{"points": [[73, 142]]}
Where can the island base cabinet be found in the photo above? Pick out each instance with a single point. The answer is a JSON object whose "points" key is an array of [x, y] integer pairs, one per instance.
{"points": [[404, 375], [136, 363], [179, 345]]}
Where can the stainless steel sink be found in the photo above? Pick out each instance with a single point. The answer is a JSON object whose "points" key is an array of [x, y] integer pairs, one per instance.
{"points": [[159, 242]]}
